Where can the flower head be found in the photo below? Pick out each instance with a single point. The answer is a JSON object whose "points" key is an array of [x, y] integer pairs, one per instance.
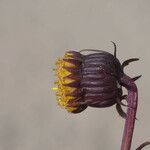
{"points": [[87, 80]]}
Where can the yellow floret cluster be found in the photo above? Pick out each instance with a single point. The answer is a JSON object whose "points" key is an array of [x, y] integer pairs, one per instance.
{"points": [[63, 90]]}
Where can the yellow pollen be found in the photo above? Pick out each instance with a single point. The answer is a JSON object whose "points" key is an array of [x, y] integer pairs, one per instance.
{"points": [[54, 88]]}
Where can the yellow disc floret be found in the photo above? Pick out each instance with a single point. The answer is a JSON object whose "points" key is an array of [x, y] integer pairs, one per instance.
{"points": [[63, 90]]}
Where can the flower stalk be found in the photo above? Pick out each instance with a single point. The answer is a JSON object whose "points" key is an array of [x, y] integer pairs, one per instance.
{"points": [[132, 100]]}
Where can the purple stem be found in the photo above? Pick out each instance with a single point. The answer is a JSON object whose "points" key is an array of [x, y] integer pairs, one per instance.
{"points": [[132, 100]]}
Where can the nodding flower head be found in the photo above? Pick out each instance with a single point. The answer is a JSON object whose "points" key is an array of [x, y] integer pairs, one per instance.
{"points": [[96, 80], [88, 80]]}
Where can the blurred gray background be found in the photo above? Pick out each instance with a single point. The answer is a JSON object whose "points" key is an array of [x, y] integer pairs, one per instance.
{"points": [[33, 34]]}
